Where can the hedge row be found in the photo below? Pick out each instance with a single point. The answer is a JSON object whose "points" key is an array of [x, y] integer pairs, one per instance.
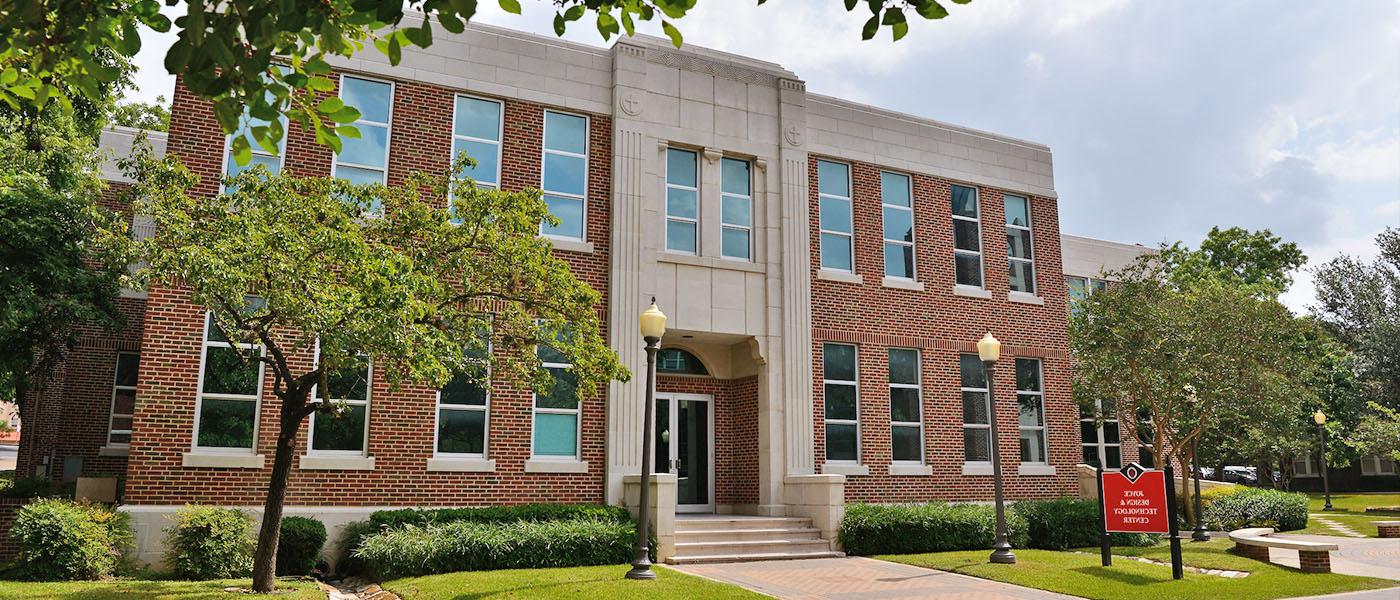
{"points": [[1065, 523], [914, 528], [470, 546], [1255, 507], [392, 519]]}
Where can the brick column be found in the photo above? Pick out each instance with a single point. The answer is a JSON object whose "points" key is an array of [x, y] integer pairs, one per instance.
{"points": [[1254, 552], [1315, 561]]}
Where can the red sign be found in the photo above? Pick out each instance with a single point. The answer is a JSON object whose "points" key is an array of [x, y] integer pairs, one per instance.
{"points": [[1135, 501]]}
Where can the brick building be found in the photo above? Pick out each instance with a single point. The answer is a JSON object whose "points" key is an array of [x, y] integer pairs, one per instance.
{"points": [[827, 268]]}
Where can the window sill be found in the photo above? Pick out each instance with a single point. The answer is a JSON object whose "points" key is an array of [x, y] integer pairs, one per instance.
{"points": [[571, 245], [118, 451], [223, 461], [971, 292], [910, 470], [311, 462], [1024, 298], [840, 276], [845, 469], [902, 284], [977, 469], [733, 264], [544, 465], [1297, 475], [461, 465], [1035, 470]]}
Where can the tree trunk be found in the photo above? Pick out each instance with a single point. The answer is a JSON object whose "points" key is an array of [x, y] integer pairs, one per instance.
{"points": [[265, 558]]}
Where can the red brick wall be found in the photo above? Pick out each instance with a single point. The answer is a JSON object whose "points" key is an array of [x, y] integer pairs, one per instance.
{"points": [[736, 432], [942, 325], [401, 421], [8, 508]]}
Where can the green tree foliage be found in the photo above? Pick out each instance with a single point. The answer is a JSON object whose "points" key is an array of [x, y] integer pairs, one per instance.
{"points": [[1360, 303], [1378, 433], [151, 116], [384, 272], [1257, 259], [225, 49]]}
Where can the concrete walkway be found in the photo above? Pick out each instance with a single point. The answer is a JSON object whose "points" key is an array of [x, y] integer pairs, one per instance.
{"points": [[1370, 557], [855, 578]]}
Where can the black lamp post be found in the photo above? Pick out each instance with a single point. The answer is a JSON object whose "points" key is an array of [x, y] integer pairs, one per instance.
{"points": [[1321, 421], [989, 350], [653, 325], [1200, 534]]}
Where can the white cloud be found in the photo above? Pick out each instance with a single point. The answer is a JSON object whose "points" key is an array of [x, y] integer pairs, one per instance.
{"points": [[1367, 156], [1072, 15], [1035, 65]]}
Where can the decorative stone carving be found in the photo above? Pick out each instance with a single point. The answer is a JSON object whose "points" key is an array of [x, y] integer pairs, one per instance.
{"points": [[630, 104], [793, 135]]}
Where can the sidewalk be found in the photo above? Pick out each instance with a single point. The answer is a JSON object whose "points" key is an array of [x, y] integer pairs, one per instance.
{"points": [[853, 577], [1369, 557]]}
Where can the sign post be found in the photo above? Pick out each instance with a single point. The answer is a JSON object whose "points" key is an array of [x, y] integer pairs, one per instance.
{"points": [[1139, 500], [1171, 520], [1105, 547]]}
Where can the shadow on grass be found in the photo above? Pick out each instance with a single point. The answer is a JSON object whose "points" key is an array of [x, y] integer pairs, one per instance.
{"points": [[1118, 575], [525, 591]]}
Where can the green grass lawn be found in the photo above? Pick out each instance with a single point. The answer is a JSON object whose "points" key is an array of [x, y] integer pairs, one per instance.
{"points": [[575, 582], [1082, 574], [1350, 510], [132, 589]]}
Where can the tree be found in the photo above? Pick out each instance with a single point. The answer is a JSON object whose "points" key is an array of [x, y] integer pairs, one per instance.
{"points": [[1259, 260], [1378, 435], [295, 267], [226, 49], [151, 116], [1360, 303]]}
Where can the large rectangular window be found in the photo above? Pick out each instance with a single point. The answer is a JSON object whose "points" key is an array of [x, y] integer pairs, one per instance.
{"points": [[841, 394], [897, 205], [1019, 251], [1304, 465], [682, 201], [230, 382], [564, 177], [366, 159], [272, 161], [1030, 401], [1376, 464], [556, 430], [976, 409], [123, 399], [463, 406], [476, 130], [736, 209], [1099, 439], [1080, 288], [906, 407], [835, 222], [348, 431], [967, 237]]}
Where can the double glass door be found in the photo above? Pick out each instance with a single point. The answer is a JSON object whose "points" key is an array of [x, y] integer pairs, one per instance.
{"points": [[685, 448]]}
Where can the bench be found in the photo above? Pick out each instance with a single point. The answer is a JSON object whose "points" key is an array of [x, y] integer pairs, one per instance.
{"points": [[1387, 529], [1254, 542]]}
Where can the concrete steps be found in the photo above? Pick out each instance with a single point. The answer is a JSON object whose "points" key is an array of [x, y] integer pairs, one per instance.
{"points": [[736, 538]]}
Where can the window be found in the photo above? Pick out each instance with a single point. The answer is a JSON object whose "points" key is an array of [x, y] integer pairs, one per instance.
{"points": [[1099, 441], [682, 201], [556, 409], [1145, 431], [273, 162], [565, 173], [230, 383], [1080, 288], [366, 159], [1018, 244], [906, 407], [967, 237], [347, 432], [1305, 465], [841, 399], [977, 434], [463, 405], [123, 399], [834, 202], [1377, 465], [1030, 400], [897, 204], [736, 209], [679, 362], [476, 130]]}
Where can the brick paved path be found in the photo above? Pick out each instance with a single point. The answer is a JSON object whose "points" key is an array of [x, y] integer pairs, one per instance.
{"points": [[1371, 557], [857, 578]]}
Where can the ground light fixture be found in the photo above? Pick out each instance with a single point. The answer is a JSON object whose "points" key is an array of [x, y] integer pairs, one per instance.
{"points": [[989, 350], [653, 327], [1321, 421]]}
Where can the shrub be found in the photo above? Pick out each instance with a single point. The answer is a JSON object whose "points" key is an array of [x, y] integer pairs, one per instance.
{"points": [[62, 539], [32, 487], [207, 542], [470, 546], [933, 527], [390, 519], [299, 545], [1257, 507], [1065, 523], [351, 536]]}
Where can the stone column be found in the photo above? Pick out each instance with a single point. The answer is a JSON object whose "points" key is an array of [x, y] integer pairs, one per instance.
{"points": [[796, 359], [821, 498], [661, 509]]}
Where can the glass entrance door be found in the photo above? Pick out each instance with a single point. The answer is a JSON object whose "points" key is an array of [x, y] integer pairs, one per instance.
{"points": [[685, 448]]}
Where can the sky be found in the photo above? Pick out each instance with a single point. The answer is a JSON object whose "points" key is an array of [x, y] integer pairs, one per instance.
{"points": [[1164, 118]]}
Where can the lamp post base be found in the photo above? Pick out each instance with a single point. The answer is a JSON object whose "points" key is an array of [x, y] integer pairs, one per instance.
{"points": [[1200, 535], [1003, 555], [641, 569]]}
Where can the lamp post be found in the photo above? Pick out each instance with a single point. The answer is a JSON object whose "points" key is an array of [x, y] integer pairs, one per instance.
{"points": [[653, 325], [989, 350], [1200, 534], [1321, 420]]}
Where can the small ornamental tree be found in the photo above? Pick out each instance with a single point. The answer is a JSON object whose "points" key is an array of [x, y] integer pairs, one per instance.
{"points": [[384, 273]]}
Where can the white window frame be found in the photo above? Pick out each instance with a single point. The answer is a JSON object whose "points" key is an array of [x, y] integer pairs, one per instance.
{"points": [[316, 400], [577, 411], [545, 151], [850, 215], [1030, 250], [666, 208], [747, 229], [388, 132], [1101, 444], [917, 386], [1040, 398], [1374, 466], [986, 403], [205, 345], [257, 150], [853, 384], [485, 409], [112, 413], [1309, 464], [884, 206], [499, 142], [981, 256]]}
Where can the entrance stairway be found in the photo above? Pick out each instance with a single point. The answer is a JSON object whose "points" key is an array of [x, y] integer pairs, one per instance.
{"points": [[736, 538]]}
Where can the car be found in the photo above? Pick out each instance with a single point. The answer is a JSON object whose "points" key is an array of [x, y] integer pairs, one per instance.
{"points": [[1207, 472], [1239, 474]]}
